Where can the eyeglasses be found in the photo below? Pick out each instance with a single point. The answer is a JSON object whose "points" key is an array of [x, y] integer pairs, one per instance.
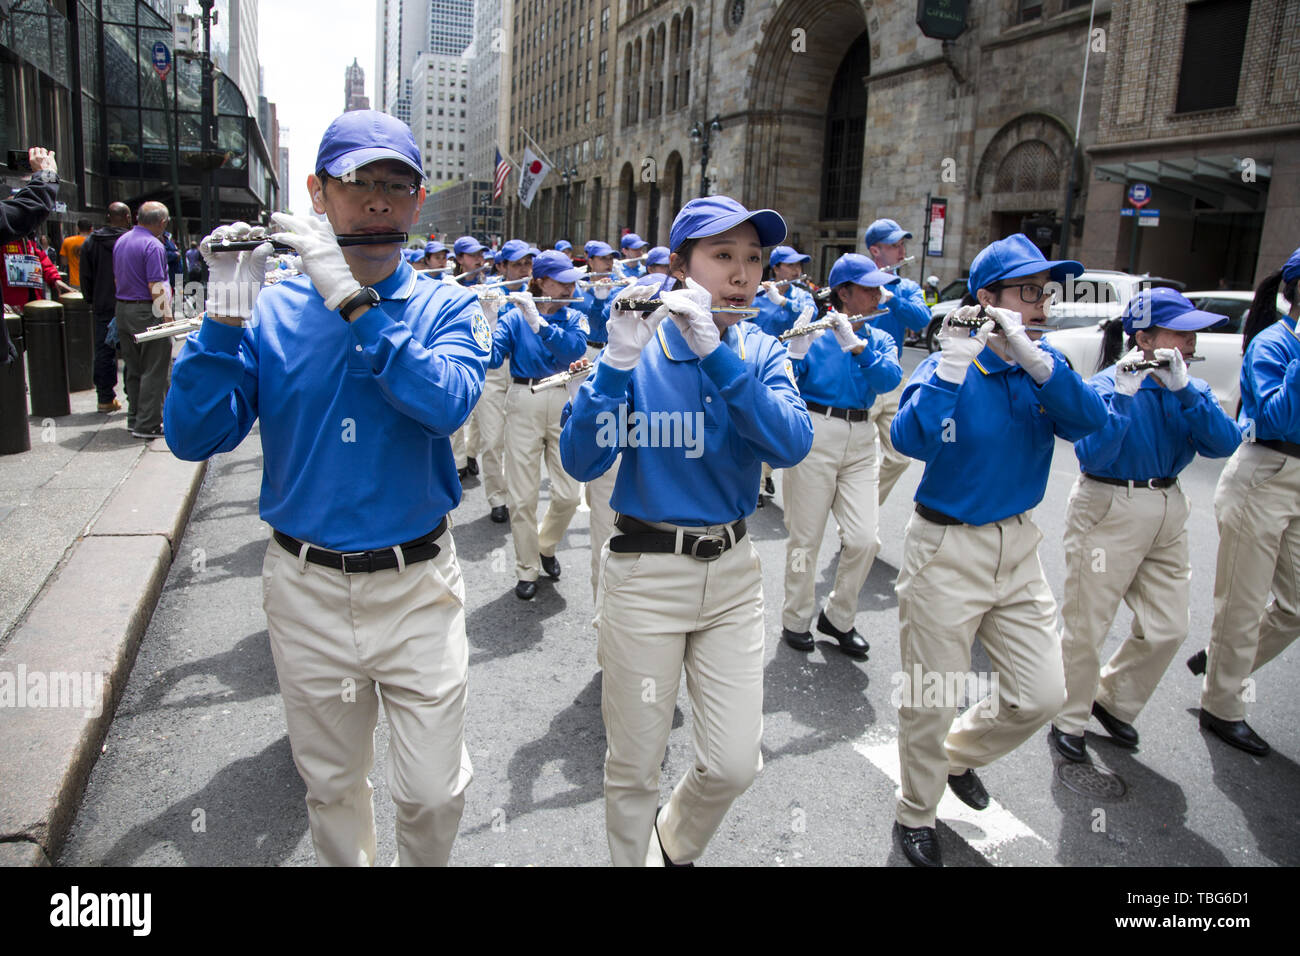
{"points": [[1029, 292], [353, 186]]}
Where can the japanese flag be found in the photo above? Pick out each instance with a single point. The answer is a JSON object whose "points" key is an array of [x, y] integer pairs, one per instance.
{"points": [[531, 174]]}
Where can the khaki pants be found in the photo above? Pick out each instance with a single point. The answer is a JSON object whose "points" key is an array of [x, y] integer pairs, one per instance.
{"points": [[656, 613], [1257, 505], [491, 415], [342, 642], [533, 435], [892, 463], [1131, 545], [147, 366], [956, 582], [837, 477], [597, 493]]}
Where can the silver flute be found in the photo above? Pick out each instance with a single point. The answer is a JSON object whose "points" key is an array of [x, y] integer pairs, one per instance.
{"points": [[1154, 363], [563, 378], [650, 305], [169, 330], [821, 324], [894, 267]]}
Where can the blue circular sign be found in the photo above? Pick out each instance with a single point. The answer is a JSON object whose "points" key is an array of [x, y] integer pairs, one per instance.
{"points": [[1139, 194], [162, 58]]}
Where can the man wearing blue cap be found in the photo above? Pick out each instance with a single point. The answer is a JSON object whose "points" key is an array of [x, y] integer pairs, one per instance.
{"points": [[839, 377], [983, 414], [656, 261], [630, 247], [1257, 505], [472, 264], [364, 372], [435, 257], [565, 246], [1128, 505], [887, 246]]}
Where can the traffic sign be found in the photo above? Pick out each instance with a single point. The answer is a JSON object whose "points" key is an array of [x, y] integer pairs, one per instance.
{"points": [[1139, 194], [162, 59]]}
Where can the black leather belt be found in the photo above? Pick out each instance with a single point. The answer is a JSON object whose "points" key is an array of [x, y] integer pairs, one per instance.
{"points": [[363, 562], [596, 345], [1285, 447], [1156, 483], [639, 536], [938, 517], [848, 414], [524, 381]]}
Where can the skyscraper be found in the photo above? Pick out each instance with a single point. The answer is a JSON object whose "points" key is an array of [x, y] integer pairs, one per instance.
{"points": [[354, 88]]}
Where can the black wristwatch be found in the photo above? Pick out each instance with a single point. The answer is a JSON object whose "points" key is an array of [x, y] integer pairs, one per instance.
{"points": [[362, 298]]}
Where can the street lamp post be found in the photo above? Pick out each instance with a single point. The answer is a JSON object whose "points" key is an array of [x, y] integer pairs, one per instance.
{"points": [[701, 133], [206, 122], [567, 176]]}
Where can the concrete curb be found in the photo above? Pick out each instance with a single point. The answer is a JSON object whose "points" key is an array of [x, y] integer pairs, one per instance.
{"points": [[68, 661]]}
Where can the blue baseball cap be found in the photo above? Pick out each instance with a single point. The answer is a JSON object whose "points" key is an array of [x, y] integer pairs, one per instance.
{"points": [[711, 215], [597, 248], [885, 232], [360, 137], [632, 241], [515, 250], [467, 244], [433, 248], [1013, 257], [554, 264], [658, 256], [783, 254], [412, 255], [489, 255], [1166, 309], [1291, 270], [563, 245], [860, 270]]}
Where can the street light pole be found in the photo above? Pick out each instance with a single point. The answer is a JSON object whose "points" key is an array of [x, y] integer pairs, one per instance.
{"points": [[206, 122], [701, 134]]}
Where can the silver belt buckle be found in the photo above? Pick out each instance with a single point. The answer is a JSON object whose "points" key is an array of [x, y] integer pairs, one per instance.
{"points": [[343, 558], [718, 539]]}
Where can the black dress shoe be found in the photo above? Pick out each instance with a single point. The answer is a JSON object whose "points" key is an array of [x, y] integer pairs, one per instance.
{"points": [[919, 844], [472, 465], [662, 851], [851, 642], [1068, 745], [462, 473], [969, 790], [1235, 732], [1123, 733], [500, 514], [769, 487], [799, 640], [1196, 663], [525, 590], [762, 503], [551, 565]]}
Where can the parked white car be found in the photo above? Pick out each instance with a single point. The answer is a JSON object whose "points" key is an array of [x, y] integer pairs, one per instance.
{"points": [[1220, 344]]}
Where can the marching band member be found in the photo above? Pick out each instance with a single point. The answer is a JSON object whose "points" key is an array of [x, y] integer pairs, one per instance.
{"points": [[435, 256], [565, 246], [887, 245], [361, 585], [656, 261], [982, 414], [1257, 505], [596, 298], [681, 585], [540, 340], [513, 261], [839, 377], [469, 258], [1126, 523], [630, 247]]}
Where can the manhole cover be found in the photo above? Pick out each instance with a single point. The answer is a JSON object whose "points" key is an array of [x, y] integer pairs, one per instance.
{"points": [[1091, 781]]}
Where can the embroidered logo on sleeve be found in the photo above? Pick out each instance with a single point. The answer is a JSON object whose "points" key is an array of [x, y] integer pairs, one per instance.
{"points": [[585, 326], [789, 373], [482, 334]]}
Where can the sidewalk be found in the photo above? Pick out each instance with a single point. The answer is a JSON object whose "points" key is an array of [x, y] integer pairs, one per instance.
{"points": [[89, 520]]}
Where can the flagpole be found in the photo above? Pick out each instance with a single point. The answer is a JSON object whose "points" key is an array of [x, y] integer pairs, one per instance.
{"points": [[541, 152]]}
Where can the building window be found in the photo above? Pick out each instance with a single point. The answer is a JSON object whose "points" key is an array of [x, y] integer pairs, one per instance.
{"points": [[604, 20], [1213, 44], [600, 105], [846, 123], [1029, 10], [604, 62]]}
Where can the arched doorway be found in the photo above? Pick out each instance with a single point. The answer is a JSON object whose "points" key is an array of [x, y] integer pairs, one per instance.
{"points": [[1022, 178]]}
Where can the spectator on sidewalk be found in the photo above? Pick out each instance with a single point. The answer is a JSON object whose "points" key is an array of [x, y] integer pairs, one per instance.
{"points": [[99, 287], [143, 299], [175, 261], [25, 211], [70, 252]]}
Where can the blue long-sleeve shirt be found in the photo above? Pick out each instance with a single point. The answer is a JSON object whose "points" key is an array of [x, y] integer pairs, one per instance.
{"points": [[987, 443], [539, 354], [830, 376], [907, 310], [1270, 384], [356, 417], [597, 313], [1155, 433], [692, 431], [775, 319]]}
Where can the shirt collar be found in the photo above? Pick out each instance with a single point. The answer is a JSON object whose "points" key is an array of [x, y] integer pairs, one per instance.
{"points": [[400, 285], [675, 348], [990, 363]]}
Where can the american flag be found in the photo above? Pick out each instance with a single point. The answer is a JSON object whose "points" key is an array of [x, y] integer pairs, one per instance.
{"points": [[503, 170]]}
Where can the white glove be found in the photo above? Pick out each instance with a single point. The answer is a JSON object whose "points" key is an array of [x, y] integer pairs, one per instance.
{"points": [[959, 347], [629, 331], [1128, 382], [844, 333], [234, 278], [1028, 356], [691, 310], [322, 259], [601, 289], [528, 309], [1174, 377], [574, 385], [774, 294], [798, 346]]}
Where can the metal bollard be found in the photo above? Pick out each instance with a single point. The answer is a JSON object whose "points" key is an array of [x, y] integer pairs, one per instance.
{"points": [[79, 327], [15, 436], [47, 358]]}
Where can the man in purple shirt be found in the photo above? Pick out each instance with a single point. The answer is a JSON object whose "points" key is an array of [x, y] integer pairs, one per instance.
{"points": [[143, 299]]}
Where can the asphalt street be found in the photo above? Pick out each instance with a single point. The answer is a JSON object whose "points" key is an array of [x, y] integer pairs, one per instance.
{"points": [[196, 768]]}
